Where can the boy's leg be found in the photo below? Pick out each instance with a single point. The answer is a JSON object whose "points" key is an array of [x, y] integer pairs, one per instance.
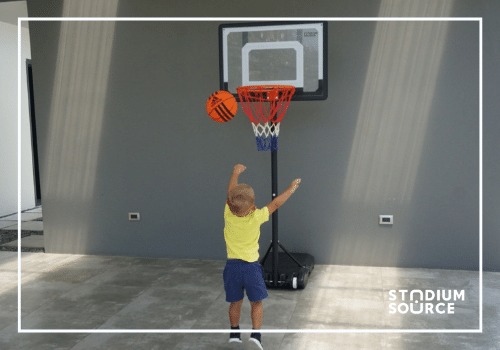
{"points": [[235, 313], [257, 314], [234, 320], [257, 292], [233, 285]]}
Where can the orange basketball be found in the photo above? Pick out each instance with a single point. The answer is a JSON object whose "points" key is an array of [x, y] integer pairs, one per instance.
{"points": [[221, 106]]}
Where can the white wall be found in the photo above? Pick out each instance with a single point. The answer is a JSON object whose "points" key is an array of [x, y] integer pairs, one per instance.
{"points": [[8, 113]]}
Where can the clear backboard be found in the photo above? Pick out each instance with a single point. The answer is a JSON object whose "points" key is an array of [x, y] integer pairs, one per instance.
{"points": [[281, 53]]}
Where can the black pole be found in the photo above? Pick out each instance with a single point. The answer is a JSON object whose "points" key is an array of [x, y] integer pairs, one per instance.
{"points": [[275, 242]]}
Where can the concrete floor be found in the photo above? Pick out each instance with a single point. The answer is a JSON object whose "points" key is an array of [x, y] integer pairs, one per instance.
{"points": [[110, 293]]}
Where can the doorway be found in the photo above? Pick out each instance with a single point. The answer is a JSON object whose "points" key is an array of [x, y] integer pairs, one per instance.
{"points": [[34, 142]]}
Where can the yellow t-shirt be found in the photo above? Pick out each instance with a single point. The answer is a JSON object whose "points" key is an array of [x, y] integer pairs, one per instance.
{"points": [[242, 233]]}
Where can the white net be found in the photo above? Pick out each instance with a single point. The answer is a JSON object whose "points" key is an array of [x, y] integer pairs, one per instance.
{"points": [[266, 135], [266, 129]]}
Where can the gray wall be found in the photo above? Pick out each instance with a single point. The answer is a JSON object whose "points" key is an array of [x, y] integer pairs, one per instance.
{"points": [[123, 128]]}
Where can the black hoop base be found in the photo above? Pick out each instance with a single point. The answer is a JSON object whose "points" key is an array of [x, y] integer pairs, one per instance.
{"points": [[292, 271]]}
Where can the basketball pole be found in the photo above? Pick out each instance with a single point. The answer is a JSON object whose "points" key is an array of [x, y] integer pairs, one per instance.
{"points": [[275, 242], [266, 128]]}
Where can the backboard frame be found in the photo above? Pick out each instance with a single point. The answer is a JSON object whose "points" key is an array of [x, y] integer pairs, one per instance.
{"points": [[321, 92]]}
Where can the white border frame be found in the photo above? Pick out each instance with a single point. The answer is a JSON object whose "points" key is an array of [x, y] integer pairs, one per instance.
{"points": [[200, 19]]}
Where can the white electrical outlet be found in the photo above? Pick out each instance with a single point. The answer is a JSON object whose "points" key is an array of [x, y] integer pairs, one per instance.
{"points": [[134, 216], [386, 219]]}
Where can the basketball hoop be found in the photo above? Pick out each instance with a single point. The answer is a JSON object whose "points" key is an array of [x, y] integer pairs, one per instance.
{"points": [[265, 106]]}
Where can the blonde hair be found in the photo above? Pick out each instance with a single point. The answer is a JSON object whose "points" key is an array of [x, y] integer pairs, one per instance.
{"points": [[241, 199]]}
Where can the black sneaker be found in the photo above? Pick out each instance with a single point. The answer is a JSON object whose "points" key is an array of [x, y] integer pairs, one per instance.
{"points": [[235, 338], [255, 342]]}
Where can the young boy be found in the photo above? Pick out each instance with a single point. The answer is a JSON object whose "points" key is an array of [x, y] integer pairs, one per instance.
{"points": [[242, 271]]}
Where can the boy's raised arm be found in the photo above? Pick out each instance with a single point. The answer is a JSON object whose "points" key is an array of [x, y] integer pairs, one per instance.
{"points": [[283, 197], [233, 180]]}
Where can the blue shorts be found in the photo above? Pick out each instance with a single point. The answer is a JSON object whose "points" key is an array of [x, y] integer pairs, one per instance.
{"points": [[240, 276]]}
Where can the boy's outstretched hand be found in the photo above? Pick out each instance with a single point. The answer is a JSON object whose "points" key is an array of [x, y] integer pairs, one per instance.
{"points": [[294, 185], [239, 168], [233, 181], [284, 196]]}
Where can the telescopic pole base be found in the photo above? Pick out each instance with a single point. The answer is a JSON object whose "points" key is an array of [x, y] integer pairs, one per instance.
{"points": [[292, 270]]}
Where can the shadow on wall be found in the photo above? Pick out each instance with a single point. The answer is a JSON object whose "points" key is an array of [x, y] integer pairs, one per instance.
{"points": [[392, 124], [76, 117]]}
